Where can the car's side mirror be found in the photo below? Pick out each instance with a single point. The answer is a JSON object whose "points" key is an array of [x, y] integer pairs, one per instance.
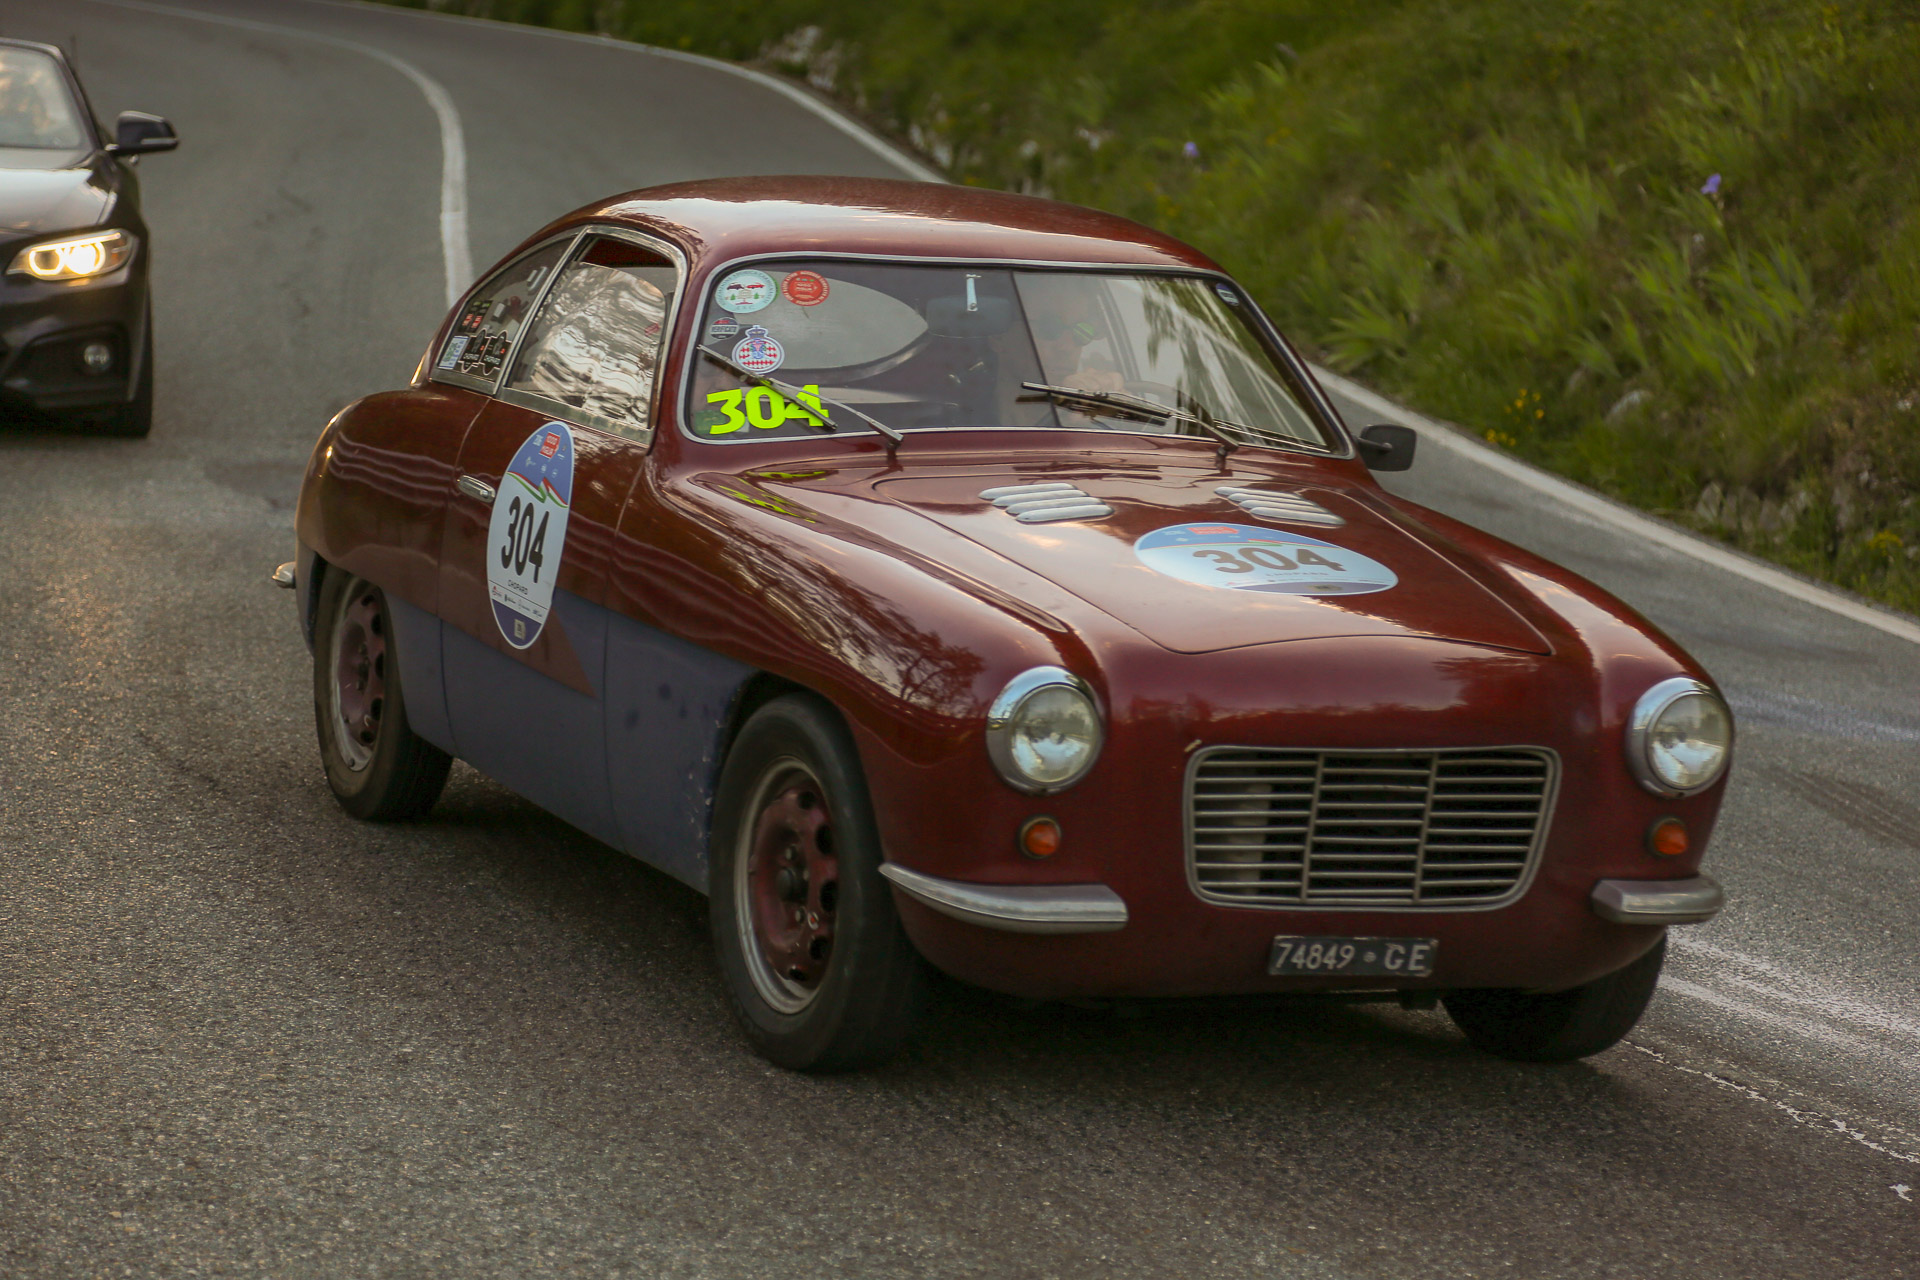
{"points": [[138, 132], [1387, 446]]}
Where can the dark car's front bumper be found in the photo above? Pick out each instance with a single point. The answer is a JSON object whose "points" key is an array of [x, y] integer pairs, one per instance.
{"points": [[44, 327]]}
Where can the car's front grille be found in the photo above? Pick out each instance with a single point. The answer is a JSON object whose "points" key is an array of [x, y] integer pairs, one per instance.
{"points": [[1454, 827]]}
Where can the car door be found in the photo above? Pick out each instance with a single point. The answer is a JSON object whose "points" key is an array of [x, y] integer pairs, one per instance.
{"points": [[386, 471], [543, 474]]}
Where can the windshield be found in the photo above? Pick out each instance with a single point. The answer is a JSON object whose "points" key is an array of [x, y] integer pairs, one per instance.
{"points": [[36, 108], [920, 347]]}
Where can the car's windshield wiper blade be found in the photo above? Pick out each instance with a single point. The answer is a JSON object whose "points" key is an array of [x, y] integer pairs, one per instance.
{"points": [[1123, 405], [804, 396]]}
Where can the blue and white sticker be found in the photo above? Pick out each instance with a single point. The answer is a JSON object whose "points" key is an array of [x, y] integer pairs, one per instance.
{"points": [[1247, 558], [528, 533], [455, 345], [1228, 294], [745, 292]]}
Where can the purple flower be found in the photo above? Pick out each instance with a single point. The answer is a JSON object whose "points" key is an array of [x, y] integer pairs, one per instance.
{"points": [[1713, 186], [1191, 151]]}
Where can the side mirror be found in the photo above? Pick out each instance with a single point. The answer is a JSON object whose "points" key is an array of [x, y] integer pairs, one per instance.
{"points": [[137, 132], [1387, 447]]}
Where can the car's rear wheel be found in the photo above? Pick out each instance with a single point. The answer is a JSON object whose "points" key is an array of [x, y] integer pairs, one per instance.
{"points": [[1559, 1026], [377, 766], [821, 974]]}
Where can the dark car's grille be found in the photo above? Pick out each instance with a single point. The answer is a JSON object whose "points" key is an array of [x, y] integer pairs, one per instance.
{"points": [[1395, 829]]}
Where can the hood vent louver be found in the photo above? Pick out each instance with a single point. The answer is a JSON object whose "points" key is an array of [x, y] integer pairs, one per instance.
{"points": [[1046, 503], [1272, 505]]}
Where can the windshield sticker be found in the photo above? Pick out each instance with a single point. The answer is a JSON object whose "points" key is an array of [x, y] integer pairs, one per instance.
{"points": [[455, 345], [758, 352], [745, 292], [1250, 559], [528, 533], [1227, 294], [805, 289], [765, 408], [725, 329]]}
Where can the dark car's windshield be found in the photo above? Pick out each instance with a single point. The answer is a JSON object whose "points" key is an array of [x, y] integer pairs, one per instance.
{"points": [[956, 346], [36, 107]]}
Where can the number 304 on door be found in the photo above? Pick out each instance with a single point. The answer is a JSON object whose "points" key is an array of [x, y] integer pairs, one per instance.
{"points": [[528, 533], [1243, 557], [765, 408]]}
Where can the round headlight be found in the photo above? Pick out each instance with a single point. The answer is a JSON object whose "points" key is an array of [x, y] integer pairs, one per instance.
{"points": [[1679, 738], [1043, 731]]}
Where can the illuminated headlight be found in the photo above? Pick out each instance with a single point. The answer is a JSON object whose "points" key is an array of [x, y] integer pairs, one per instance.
{"points": [[1043, 731], [1679, 738], [76, 257]]}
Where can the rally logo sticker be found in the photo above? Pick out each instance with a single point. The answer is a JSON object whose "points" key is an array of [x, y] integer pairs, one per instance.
{"points": [[725, 329], [745, 292], [805, 288], [528, 533], [758, 352], [1246, 558]]}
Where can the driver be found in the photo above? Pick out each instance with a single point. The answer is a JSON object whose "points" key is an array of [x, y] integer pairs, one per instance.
{"points": [[1064, 341]]}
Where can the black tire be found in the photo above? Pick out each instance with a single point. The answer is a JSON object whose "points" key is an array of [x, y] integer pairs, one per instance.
{"points": [[1562, 1025], [135, 419], [378, 768], [793, 832]]}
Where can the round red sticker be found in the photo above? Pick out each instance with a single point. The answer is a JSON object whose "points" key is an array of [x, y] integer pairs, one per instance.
{"points": [[805, 289]]}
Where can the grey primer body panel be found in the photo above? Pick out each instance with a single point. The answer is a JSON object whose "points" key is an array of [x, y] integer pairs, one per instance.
{"points": [[667, 707], [416, 638], [637, 766], [529, 732]]}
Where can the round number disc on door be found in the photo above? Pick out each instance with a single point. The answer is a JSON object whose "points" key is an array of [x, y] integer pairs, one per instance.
{"points": [[528, 532]]}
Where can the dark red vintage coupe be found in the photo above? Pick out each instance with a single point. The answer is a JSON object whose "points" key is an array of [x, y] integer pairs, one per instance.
{"points": [[934, 576]]}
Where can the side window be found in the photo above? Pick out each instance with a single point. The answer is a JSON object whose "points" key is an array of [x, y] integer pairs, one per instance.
{"points": [[493, 317], [595, 344]]}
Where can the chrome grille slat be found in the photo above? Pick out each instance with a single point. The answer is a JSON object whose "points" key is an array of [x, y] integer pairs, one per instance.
{"points": [[1448, 827]]}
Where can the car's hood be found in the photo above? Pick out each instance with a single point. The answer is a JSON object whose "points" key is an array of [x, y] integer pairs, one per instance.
{"points": [[1195, 572], [50, 191]]}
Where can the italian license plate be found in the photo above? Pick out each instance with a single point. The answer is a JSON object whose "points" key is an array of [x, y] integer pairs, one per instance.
{"points": [[1353, 957]]}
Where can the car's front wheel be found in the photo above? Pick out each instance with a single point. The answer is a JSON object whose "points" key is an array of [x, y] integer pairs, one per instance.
{"points": [[821, 974], [378, 767], [1559, 1026]]}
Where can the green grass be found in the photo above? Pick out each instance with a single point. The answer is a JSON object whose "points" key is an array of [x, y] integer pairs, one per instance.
{"points": [[1492, 210]]}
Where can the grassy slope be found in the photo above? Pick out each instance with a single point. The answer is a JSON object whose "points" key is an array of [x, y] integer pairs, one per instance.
{"points": [[1493, 210]]}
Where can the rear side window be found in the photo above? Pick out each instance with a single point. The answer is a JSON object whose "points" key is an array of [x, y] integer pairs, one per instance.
{"points": [[492, 319], [594, 346]]}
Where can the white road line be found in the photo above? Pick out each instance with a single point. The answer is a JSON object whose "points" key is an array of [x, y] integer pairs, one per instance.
{"points": [[1577, 498], [456, 254], [826, 111], [1812, 1119]]}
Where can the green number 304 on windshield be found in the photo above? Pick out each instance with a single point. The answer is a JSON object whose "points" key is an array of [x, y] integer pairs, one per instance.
{"points": [[765, 408]]}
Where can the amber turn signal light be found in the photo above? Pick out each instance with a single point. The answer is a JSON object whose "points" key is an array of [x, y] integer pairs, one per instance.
{"points": [[1040, 838], [1668, 837]]}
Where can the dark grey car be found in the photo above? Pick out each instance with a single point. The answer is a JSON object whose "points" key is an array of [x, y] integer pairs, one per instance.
{"points": [[76, 335]]}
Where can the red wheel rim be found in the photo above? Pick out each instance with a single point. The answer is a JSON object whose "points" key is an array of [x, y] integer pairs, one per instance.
{"points": [[787, 887], [359, 675]]}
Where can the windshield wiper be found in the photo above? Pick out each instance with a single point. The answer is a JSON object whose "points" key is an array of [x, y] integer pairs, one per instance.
{"points": [[1120, 404], [805, 397]]}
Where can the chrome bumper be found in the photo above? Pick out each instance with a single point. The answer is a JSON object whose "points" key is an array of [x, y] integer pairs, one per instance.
{"points": [[1016, 908], [1658, 901]]}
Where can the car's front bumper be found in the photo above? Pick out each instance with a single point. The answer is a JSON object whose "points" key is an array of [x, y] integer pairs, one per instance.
{"points": [[44, 327], [1095, 908]]}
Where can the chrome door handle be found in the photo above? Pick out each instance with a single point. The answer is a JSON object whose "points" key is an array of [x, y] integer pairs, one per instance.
{"points": [[475, 489]]}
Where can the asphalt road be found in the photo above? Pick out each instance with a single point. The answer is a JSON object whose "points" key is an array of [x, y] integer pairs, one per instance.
{"points": [[242, 1034]]}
